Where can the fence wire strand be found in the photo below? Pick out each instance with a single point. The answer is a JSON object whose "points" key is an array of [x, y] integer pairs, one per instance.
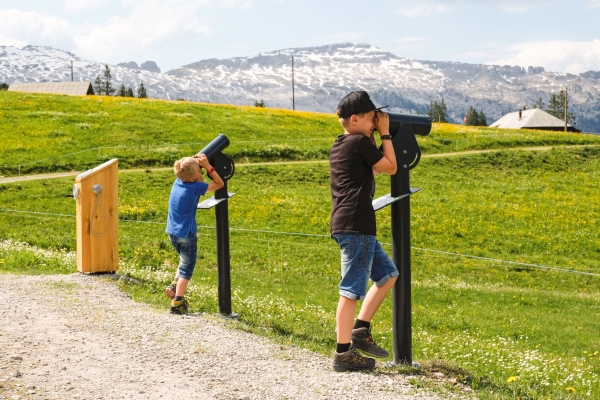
{"points": [[37, 214]]}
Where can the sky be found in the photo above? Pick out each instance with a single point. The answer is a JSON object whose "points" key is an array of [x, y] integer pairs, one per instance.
{"points": [[559, 35]]}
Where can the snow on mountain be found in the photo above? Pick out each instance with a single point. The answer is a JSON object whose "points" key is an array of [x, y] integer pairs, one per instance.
{"points": [[323, 75]]}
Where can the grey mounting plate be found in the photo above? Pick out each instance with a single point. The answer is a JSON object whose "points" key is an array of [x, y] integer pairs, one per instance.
{"points": [[386, 200], [210, 203]]}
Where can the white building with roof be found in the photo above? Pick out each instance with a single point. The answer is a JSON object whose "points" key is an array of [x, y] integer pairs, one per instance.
{"points": [[70, 88], [532, 119]]}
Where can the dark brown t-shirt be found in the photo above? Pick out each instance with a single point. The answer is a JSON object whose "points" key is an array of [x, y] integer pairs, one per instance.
{"points": [[351, 159]]}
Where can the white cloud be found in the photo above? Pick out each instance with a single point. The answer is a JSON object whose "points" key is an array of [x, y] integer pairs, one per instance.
{"points": [[20, 28], [410, 40], [593, 3], [557, 56], [413, 8], [78, 5], [149, 24], [6, 40]]}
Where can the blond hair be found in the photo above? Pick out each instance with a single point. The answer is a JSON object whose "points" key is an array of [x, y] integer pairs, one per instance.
{"points": [[186, 168]]}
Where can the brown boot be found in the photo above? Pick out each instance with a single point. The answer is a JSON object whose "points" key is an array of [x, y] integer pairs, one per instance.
{"points": [[351, 360]]}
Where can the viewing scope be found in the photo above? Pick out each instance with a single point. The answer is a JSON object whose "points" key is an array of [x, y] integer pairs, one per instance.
{"points": [[213, 151], [403, 128], [219, 143], [419, 124]]}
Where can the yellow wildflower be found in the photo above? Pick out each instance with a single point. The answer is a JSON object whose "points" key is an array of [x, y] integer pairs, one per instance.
{"points": [[572, 390], [512, 379]]}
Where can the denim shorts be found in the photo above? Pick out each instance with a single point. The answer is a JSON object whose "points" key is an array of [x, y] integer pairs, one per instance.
{"points": [[362, 258], [187, 248]]}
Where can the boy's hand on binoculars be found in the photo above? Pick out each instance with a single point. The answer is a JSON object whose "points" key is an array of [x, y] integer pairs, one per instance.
{"points": [[202, 160], [382, 123]]}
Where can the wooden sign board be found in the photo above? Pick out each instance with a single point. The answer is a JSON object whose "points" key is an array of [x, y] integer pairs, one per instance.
{"points": [[96, 195]]}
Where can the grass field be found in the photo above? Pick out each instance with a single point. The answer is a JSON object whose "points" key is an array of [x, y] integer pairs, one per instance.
{"points": [[46, 133], [506, 270]]}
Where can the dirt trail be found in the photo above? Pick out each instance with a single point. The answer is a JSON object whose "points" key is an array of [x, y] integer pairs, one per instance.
{"points": [[435, 155]]}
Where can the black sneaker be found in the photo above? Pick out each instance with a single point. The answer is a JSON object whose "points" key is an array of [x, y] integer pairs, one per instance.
{"points": [[181, 308], [363, 341], [351, 360]]}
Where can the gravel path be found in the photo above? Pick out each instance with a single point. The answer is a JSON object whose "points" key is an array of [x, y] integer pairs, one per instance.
{"points": [[78, 337]]}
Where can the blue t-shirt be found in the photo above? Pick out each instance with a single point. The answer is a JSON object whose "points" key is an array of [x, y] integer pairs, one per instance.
{"points": [[183, 203]]}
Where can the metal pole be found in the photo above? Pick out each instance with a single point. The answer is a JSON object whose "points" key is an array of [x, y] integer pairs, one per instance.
{"points": [[223, 257], [401, 294], [566, 102], [293, 91]]}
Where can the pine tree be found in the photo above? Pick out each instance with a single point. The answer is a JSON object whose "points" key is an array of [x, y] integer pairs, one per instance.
{"points": [[438, 111], [482, 119], [433, 110], [142, 91], [555, 107], [107, 81], [472, 117], [539, 104], [562, 99], [443, 114], [122, 91], [129, 92], [98, 87]]}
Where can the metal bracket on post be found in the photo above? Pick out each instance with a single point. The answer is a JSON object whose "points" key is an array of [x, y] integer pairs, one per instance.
{"points": [[211, 202], [408, 154], [225, 167], [384, 201]]}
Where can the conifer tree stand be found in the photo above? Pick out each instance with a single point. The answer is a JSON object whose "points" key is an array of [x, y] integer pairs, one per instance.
{"points": [[403, 129], [225, 167]]}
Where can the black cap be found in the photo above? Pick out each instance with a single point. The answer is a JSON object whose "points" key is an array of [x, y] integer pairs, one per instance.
{"points": [[356, 103]]}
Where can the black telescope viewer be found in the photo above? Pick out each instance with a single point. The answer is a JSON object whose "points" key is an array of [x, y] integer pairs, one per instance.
{"points": [[213, 151], [403, 128], [225, 167]]}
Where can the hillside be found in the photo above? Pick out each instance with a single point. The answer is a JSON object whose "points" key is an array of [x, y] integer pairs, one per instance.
{"points": [[47, 133], [325, 74], [505, 270]]}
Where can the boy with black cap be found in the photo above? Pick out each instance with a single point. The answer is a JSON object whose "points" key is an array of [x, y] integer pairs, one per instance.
{"points": [[354, 159]]}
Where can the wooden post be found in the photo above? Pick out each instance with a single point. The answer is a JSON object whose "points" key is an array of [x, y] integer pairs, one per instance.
{"points": [[97, 216], [566, 107]]}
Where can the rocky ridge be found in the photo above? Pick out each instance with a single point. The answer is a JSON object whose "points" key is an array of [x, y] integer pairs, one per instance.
{"points": [[324, 74]]}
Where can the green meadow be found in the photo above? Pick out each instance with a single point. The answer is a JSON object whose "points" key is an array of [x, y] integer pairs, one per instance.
{"points": [[47, 133], [506, 250]]}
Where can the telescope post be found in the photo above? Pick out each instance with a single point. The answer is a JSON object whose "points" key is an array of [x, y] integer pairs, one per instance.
{"points": [[223, 256], [403, 129], [225, 167]]}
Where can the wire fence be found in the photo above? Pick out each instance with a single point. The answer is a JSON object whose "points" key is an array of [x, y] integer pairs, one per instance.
{"points": [[516, 264]]}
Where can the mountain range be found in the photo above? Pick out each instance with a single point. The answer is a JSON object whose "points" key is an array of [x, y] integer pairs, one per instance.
{"points": [[322, 76]]}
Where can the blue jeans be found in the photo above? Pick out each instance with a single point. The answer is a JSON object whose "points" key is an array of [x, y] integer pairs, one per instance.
{"points": [[187, 248], [362, 258]]}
